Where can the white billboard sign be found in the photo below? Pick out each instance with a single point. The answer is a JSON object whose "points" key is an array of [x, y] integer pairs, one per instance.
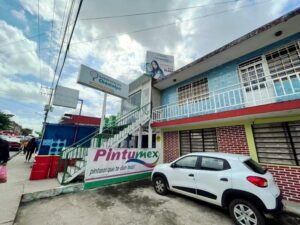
{"points": [[66, 97], [104, 164], [159, 65], [97, 80]]}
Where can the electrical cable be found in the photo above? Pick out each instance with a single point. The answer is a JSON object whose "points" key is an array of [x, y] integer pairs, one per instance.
{"points": [[157, 12], [168, 24]]}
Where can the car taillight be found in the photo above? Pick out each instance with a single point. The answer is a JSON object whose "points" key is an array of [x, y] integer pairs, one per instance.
{"points": [[258, 181]]}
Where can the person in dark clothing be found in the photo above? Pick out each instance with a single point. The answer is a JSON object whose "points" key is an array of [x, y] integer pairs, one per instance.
{"points": [[4, 152], [31, 146]]}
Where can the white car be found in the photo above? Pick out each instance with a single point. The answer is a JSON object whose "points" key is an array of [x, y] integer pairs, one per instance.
{"points": [[232, 181]]}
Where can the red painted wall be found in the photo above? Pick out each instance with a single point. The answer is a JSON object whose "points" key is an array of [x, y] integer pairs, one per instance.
{"points": [[77, 119]]}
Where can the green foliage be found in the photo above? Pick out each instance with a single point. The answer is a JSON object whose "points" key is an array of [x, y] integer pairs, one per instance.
{"points": [[26, 131], [4, 121]]}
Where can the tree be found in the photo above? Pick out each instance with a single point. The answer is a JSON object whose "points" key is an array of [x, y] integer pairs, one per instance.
{"points": [[26, 131], [4, 121]]}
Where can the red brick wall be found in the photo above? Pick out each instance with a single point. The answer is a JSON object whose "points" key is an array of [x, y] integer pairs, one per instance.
{"points": [[171, 146], [288, 180], [232, 139]]}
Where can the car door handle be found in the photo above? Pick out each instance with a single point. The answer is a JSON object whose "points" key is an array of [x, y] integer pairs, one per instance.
{"points": [[224, 179], [191, 175]]}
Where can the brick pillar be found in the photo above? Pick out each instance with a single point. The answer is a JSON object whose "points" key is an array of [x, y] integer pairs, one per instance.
{"points": [[232, 139], [171, 146]]}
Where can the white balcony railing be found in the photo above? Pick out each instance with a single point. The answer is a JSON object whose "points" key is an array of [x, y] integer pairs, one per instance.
{"points": [[241, 95]]}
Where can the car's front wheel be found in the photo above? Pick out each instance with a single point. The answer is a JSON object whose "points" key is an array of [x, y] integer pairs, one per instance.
{"points": [[244, 212], [160, 185]]}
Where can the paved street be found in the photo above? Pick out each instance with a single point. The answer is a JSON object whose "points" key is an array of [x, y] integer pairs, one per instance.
{"points": [[128, 203]]}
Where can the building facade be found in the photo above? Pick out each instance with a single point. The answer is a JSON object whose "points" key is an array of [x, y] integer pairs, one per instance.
{"points": [[243, 98]]}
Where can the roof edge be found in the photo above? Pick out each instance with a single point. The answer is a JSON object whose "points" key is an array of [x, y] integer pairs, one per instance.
{"points": [[235, 42]]}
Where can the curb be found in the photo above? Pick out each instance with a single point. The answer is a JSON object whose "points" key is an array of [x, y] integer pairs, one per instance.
{"points": [[292, 210], [28, 197]]}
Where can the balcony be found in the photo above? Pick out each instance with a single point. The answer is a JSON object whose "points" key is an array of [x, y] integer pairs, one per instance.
{"points": [[266, 90]]}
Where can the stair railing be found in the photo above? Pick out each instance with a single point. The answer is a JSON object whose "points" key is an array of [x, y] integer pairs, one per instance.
{"points": [[79, 150]]}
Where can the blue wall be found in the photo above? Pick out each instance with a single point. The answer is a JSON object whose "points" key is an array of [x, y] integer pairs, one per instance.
{"points": [[225, 75], [64, 133]]}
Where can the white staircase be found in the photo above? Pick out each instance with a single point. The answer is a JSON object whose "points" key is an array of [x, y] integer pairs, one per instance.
{"points": [[73, 158]]}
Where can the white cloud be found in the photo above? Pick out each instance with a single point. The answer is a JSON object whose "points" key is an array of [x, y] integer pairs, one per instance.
{"points": [[123, 56], [20, 58], [20, 15]]}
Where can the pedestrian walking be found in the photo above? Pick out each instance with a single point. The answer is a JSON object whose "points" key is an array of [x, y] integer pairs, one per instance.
{"points": [[4, 156], [30, 148]]}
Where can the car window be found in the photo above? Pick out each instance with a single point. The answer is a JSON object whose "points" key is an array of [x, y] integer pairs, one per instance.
{"points": [[188, 162], [210, 163], [254, 166]]}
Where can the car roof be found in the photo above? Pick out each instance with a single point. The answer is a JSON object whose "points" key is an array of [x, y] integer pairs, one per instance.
{"points": [[222, 155]]}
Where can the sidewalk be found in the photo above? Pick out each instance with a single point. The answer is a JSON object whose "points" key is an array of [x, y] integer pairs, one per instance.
{"points": [[291, 207], [18, 184]]}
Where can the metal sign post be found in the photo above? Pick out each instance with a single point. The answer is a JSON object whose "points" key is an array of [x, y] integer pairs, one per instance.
{"points": [[102, 121]]}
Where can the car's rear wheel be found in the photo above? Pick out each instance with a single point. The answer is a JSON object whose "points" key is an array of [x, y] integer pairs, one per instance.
{"points": [[244, 212], [160, 185]]}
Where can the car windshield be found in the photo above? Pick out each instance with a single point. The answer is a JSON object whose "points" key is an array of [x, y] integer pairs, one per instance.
{"points": [[254, 166]]}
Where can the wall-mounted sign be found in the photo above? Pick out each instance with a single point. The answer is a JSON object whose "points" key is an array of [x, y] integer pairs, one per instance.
{"points": [[97, 80], [159, 65], [107, 165], [66, 97]]}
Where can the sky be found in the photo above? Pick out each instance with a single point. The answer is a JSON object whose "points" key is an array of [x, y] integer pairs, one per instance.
{"points": [[31, 33]]}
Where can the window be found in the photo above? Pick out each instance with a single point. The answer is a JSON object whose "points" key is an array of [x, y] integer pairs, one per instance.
{"points": [[202, 140], [252, 74], [284, 66], [254, 166], [188, 162], [197, 90], [278, 143], [132, 102], [210, 163]]}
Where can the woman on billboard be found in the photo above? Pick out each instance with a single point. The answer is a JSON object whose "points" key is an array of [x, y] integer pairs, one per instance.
{"points": [[155, 71]]}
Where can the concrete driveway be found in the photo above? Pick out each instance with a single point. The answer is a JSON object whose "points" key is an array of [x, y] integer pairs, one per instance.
{"points": [[127, 203]]}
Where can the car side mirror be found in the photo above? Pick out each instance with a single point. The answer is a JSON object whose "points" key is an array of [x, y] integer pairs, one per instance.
{"points": [[173, 165]]}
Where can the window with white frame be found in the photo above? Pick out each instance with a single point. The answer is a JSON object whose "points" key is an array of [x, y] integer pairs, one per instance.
{"points": [[252, 74], [197, 90], [284, 65]]}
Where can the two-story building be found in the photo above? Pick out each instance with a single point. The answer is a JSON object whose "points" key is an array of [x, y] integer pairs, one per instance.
{"points": [[241, 98]]}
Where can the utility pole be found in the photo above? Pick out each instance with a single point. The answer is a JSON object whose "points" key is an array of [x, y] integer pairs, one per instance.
{"points": [[48, 107], [81, 100]]}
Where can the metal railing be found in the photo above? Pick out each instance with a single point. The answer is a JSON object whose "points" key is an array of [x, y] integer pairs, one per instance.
{"points": [[127, 124], [79, 150], [256, 92]]}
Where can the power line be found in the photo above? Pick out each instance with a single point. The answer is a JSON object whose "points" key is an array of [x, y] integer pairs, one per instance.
{"points": [[50, 43], [66, 53], [157, 12], [64, 36], [121, 16], [168, 24], [39, 38], [70, 39], [23, 39], [143, 30]]}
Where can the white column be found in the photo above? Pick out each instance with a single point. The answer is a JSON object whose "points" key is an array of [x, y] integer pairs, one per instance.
{"points": [[149, 136], [140, 134], [103, 113]]}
